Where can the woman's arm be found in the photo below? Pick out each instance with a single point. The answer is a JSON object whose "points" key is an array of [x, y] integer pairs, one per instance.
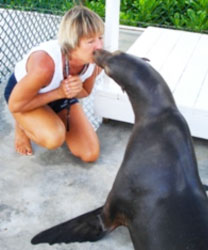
{"points": [[40, 70]]}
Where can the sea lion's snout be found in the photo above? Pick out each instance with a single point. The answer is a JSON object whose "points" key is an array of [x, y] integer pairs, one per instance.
{"points": [[100, 57]]}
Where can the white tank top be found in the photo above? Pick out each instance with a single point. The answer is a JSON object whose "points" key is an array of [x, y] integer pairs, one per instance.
{"points": [[54, 51]]}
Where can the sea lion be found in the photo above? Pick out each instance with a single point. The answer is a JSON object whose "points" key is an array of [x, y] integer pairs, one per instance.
{"points": [[157, 193]]}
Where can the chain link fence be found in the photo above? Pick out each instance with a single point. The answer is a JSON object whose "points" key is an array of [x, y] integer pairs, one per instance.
{"points": [[22, 30]]}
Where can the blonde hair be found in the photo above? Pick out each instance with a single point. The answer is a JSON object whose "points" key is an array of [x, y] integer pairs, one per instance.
{"points": [[77, 23]]}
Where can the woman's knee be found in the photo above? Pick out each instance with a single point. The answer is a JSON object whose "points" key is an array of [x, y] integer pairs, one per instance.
{"points": [[90, 155], [53, 138]]}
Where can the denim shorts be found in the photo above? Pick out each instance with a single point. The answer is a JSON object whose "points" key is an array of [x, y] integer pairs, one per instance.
{"points": [[57, 105]]}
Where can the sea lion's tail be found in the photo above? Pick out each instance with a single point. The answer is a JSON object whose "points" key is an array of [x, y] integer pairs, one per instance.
{"points": [[87, 227]]}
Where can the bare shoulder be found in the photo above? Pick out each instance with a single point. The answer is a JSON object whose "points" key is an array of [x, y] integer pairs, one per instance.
{"points": [[40, 63]]}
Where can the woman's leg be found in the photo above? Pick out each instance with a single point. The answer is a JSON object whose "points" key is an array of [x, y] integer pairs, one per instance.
{"points": [[42, 125], [81, 138]]}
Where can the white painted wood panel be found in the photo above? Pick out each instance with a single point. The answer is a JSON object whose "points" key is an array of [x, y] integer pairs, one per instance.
{"points": [[145, 42], [191, 81], [162, 48], [175, 64], [202, 99]]}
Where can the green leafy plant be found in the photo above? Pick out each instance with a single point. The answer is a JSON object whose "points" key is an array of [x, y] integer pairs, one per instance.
{"points": [[97, 6], [183, 14]]}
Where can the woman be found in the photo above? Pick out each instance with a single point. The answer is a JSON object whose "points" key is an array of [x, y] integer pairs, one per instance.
{"points": [[42, 93]]}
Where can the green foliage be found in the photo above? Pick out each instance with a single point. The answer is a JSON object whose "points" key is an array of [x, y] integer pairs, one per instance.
{"points": [[46, 6], [183, 14], [194, 18], [97, 6]]}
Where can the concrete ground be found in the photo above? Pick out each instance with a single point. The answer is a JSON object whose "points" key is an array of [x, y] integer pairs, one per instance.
{"points": [[52, 186]]}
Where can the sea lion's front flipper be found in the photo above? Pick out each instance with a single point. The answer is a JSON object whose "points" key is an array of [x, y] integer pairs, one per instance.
{"points": [[87, 227]]}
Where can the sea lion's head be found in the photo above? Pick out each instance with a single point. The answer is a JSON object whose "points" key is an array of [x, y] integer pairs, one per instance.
{"points": [[120, 66]]}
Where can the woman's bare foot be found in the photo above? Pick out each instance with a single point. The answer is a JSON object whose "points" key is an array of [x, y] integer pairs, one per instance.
{"points": [[22, 142]]}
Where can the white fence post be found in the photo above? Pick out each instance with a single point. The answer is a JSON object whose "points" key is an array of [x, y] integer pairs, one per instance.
{"points": [[112, 12]]}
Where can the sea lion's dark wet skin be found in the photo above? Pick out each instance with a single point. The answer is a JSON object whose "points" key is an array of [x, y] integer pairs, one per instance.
{"points": [[157, 192]]}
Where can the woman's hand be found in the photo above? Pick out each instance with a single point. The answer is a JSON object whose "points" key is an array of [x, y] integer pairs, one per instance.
{"points": [[71, 86]]}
